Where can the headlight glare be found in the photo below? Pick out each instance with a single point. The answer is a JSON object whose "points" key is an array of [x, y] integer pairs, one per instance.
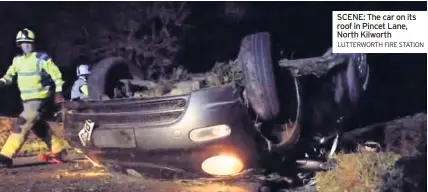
{"points": [[210, 133], [222, 165]]}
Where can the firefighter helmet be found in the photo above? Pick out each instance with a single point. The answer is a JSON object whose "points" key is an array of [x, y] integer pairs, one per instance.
{"points": [[25, 36], [83, 69]]}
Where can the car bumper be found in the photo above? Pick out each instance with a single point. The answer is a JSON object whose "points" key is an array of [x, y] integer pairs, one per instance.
{"points": [[130, 138]]}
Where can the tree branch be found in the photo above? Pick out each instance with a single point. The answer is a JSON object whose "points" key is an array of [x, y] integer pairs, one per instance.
{"points": [[405, 135], [317, 66]]}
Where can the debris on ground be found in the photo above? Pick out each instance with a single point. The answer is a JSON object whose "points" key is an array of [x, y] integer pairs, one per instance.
{"points": [[396, 169], [356, 172]]}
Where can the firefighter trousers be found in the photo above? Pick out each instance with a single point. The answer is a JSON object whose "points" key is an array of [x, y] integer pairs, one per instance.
{"points": [[26, 121]]}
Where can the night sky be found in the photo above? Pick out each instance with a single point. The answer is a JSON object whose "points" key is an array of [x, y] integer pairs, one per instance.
{"points": [[302, 29]]}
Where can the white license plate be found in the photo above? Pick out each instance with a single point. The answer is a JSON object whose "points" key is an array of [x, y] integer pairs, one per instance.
{"points": [[86, 132]]}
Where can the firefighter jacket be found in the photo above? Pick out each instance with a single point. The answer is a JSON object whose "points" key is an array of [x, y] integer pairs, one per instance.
{"points": [[35, 74], [79, 89]]}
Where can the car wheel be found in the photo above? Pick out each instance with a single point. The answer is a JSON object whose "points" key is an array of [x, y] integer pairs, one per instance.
{"points": [[101, 82], [256, 63]]}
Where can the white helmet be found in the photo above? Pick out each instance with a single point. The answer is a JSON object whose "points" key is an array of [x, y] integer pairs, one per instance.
{"points": [[83, 69]]}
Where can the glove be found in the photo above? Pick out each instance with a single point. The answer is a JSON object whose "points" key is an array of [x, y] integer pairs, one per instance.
{"points": [[58, 98]]}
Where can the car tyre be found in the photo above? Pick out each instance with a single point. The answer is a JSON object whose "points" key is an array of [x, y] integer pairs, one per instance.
{"points": [[256, 63], [99, 79]]}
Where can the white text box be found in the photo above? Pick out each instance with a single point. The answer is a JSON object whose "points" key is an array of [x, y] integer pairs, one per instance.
{"points": [[380, 32]]}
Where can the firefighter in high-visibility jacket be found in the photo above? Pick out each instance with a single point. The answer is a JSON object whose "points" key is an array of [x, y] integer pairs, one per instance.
{"points": [[80, 88], [34, 72]]}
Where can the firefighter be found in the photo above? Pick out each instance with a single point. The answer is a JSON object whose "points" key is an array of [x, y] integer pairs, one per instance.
{"points": [[35, 73], [80, 87]]}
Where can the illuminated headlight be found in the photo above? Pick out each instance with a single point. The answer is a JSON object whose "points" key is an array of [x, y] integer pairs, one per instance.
{"points": [[222, 165], [210, 133]]}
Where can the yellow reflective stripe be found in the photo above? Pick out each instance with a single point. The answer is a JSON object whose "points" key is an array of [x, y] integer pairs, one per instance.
{"points": [[31, 91], [29, 73]]}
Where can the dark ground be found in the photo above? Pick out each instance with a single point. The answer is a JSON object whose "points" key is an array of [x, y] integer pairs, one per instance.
{"points": [[405, 136], [75, 177]]}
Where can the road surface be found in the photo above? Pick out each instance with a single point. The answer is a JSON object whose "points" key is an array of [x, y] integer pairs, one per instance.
{"points": [[82, 176]]}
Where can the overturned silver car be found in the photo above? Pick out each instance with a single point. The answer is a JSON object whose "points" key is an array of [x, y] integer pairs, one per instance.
{"points": [[266, 117]]}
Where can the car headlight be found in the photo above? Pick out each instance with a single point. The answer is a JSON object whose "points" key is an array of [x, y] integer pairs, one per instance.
{"points": [[222, 165], [209, 133]]}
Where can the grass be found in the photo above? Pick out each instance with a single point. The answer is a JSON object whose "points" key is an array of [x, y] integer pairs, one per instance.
{"points": [[356, 172]]}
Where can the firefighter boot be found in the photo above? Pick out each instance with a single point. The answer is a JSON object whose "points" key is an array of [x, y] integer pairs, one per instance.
{"points": [[58, 151], [9, 149], [55, 158]]}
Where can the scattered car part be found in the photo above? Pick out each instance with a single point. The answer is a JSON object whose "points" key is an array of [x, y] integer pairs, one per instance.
{"points": [[133, 173], [309, 164], [313, 165], [334, 146], [369, 146]]}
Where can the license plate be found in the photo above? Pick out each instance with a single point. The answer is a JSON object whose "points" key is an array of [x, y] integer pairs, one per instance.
{"points": [[86, 132]]}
